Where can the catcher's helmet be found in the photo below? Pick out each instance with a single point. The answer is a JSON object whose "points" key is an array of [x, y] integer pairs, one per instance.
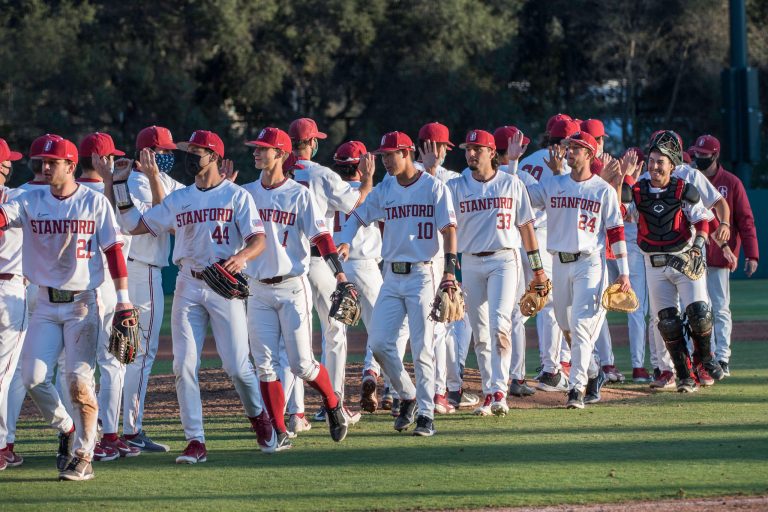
{"points": [[669, 144]]}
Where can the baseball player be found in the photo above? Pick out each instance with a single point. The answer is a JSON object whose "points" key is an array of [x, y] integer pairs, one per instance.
{"points": [[147, 256], [511, 144], [280, 303], [554, 352], [491, 208], [361, 266], [73, 222], [672, 224], [583, 212], [13, 302], [214, 220], [111, 371], [332, 195], [416, 209]]}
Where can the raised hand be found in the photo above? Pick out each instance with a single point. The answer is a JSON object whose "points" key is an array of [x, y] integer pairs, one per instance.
{"points": [[515, 147], [148, 162], [228, 170], [429, 156], [367, 166], [556, 161]]}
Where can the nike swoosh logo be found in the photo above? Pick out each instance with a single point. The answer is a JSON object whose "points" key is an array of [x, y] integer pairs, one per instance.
{"points": [[137, 444], [42, 215], [469, 195], [389, 202], [186, 206]]}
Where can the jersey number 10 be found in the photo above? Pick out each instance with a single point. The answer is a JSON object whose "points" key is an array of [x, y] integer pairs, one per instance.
{"points": [[426, 231]]}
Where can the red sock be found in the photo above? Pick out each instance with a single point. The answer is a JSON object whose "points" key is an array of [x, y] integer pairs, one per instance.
{"points": [[322, 384], [274, 399], [130, 436], [109, 437], [299, 414]]}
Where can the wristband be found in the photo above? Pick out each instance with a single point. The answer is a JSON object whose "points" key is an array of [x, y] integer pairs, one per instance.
{"points": [[122, 296], [699, 242], [123, 199], [534, 258], [333, 261], [451, 263], [723, 245], [623, 265], [725, 224]]}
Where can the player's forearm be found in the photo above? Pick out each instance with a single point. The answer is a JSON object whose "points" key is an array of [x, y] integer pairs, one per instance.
{"points": [[528, 234], [118, 271], [450, 249], [156, 187], [130, 221], [349, 230], [254, 246], [327, 248], [723, 212], [365, 187]]}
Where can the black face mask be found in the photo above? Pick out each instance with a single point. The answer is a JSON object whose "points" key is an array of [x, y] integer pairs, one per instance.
{"points": [[192, 164], [703, 164]]}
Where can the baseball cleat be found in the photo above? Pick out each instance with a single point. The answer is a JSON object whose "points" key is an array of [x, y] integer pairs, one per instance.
{"points": [[485, 409], [442, 406], [518, 387], [687, 385], [297, 424], [368, 401], [12, 459], [612, 374], [407, 415], [641, 376], [65, 449], [552, 382], [337, 421], [387, 399], [265, 433], [3, 463], [714, 369], [594, 385], [283, 442], [121, 448], [575, 399], [194, 452], [395, 411], [725, 367], [499, 406], [425, 426], [462, 398], [666, 380], [704, 378], [103, 453], [319, 415], [77, 470], [144, 443], [353, 417]]}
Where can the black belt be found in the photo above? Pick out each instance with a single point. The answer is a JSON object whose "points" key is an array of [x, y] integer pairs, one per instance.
{"points": [[7, 277], [404, 267], [568, 257], [275, 280], [314, 251], [488, 253], [147, 264], [196, 274], [56, 296]]}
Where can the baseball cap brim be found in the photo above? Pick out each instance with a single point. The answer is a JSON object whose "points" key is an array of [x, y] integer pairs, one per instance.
{"points": [[14, 155], [117, 152], [701, 151], [464, 145], [184, 146], [262, 144], [168, 146], [40, 156], [581, 143]]}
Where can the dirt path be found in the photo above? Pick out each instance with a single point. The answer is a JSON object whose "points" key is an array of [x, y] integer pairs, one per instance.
{"points": [[722, 504]]}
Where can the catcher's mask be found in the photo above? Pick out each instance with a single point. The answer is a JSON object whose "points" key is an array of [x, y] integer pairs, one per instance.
{"points": [[668, 143]]}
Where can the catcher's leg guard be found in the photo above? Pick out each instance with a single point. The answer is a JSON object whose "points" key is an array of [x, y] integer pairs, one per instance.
{"points": [[699, 322], [672, 332]]}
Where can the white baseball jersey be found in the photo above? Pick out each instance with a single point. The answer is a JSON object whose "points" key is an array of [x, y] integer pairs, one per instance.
{"points": [[579, 212], [10, 242], [441, 173], [148, 249], [292, 220], [98, 186], [709, 194], [535, 166], [330, 192], [62, 236], [210, 225], [414, 216], [489, 213], [34, 185], [366, 244]]}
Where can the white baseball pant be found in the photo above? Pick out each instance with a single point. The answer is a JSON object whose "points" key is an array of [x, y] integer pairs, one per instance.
{"points": [[111, 371], [145, 288], [517, 363], [73, 327], [490, 283], [604, 343], [445, 347], [578, 288], [636, 320], [13, 328], [461, 333], [719, 287], [669, 288], [407, 295], [195, 305]]}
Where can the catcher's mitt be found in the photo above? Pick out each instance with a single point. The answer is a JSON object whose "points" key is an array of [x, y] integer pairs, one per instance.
{"points": [[225, 283], [448, 305], [691, 263], [616, 300], [124, 338], [535, 297], [344, 304]]}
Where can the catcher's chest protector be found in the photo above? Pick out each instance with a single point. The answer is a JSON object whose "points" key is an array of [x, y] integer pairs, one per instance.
{"points": [[662, 226]]}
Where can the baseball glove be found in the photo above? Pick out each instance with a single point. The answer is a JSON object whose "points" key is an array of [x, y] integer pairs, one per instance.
{"points": [[535, 297], [344, 304], [448, 305], [124, 338], [616, 300], [691, 263], [225, 283]]}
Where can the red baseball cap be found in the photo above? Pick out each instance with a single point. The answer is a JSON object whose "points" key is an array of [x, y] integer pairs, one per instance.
{"points": [[594, 127], [155, 137], [504, 133], [706, 145], [638, 152], [479, 138], [555, 118], [687, 157], [305, 129], [59, 149], [7, 154], [584, 140], [291, 163], [271, 137], [204, 139], [395, 141], [435, 132], [39, 143], [350, 152], [563, 128], [99, 143]]}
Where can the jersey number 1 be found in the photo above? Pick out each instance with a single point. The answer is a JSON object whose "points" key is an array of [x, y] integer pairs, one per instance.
{"points": [[221, 236]]}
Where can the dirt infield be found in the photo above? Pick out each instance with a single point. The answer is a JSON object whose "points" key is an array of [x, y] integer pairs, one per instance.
{"points": [[722, 504]]}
